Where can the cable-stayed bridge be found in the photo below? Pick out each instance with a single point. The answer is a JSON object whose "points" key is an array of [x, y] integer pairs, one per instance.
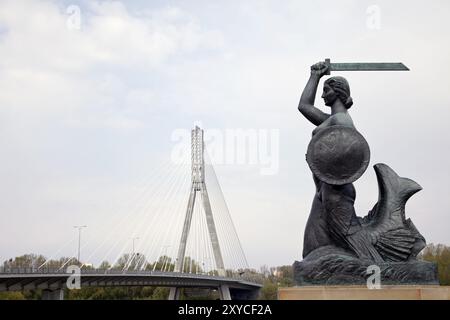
{"points": [[185, 239]]}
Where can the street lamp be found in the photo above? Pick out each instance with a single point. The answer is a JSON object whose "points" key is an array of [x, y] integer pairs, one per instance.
{"points": [[134, 238], [166, 258], [79, 240], [132, 258]]}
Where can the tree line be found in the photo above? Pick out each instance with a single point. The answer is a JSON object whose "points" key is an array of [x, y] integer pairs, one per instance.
{"points": [[272, 278], [38, 262]]}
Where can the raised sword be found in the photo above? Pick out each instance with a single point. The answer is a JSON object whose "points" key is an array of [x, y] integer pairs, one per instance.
{"points": [[365, 66]]}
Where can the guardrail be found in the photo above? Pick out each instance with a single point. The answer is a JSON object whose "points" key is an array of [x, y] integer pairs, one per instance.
{"points": [[44, 270]]}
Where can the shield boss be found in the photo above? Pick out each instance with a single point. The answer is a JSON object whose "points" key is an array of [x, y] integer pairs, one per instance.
{"points": [[338, 155]]}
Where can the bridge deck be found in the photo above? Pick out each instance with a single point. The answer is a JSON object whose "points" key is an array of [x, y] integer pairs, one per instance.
{"points": [[51, 279]]}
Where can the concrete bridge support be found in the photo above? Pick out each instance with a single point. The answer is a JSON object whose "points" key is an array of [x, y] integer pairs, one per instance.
{"points": [[224, 292], [53, 294], [174, 293]]}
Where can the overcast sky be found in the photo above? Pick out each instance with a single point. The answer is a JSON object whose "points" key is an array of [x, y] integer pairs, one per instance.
{"points": [[92, 105]]}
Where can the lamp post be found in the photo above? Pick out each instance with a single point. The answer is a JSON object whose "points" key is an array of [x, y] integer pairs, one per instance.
{"points": [[166, 258], [79, 240], [133, 239], [132, 257]]}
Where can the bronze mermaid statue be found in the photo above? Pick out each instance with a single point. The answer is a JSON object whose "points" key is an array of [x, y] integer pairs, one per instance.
{"points": [[334, 235]]}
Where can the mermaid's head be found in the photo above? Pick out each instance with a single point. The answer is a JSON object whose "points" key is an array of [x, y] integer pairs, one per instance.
{"points": [[337, 88]]}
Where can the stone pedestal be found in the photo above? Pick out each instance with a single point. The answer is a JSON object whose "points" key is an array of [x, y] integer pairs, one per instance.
{"points": [[363, 293]]}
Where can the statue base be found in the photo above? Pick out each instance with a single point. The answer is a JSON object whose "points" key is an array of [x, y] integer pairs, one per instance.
{"points": [[363, 293], [331, 265]]}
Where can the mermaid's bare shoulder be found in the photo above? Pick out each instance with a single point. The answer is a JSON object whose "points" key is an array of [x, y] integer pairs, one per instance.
{"points": [[340, 118]]}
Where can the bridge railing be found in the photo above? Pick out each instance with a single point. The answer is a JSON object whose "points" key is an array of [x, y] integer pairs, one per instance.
{"points": [[48, 270]]}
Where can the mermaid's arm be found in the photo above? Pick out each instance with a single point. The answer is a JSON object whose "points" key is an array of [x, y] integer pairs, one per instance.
{"points": [[306, 104]]}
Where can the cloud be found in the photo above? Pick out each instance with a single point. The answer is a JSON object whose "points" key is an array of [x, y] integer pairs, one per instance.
{"points": [[48, 67]]}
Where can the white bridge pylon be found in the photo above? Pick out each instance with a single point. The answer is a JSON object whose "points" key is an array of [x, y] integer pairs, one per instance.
{"points": [[198, 185]]}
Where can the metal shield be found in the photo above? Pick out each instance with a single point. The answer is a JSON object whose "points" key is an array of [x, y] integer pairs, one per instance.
{"points": [[338, 155]]}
